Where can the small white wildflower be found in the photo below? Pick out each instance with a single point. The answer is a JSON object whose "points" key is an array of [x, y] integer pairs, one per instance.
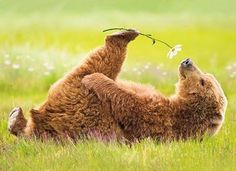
{"points": [[173, 51], [7, 62], [125, 70], [164, 73], [139, 72], [46, 73], [30, 69], [158, 67], [50, 68], [147, 66], [232, 75], [15, 66], [65, 65], [46, 64], [6, 55], [135, 69], [229, 67]]}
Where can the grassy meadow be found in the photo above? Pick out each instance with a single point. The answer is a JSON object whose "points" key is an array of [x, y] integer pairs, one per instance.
{"points": [[42, 40]]}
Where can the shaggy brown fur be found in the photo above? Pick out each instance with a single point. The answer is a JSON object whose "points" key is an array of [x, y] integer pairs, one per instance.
{"points": [[197, 108], [71, 109]]}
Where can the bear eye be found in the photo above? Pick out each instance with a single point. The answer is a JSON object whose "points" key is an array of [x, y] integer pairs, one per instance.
{"points": [[202, 82]]}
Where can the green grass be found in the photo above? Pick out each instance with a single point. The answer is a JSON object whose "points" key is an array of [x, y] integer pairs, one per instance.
{"points": [[47, 38]]}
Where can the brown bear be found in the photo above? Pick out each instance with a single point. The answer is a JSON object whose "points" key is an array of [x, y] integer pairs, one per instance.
{"points": [[71, 110], [103, 107], [197, 108]]}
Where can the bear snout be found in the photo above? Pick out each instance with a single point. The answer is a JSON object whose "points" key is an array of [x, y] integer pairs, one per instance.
{"points": [[186, 68], [187, 63]]}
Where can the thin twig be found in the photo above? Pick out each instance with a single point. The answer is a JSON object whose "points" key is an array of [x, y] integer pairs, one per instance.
{"points": [[142, 34], [116, 28]]}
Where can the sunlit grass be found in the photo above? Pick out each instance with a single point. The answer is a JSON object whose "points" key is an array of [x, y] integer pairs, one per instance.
{"points": [[21, 87], [213, 154]]}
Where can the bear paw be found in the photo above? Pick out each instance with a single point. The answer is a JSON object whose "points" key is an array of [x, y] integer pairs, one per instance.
{"points": [[16, 121]]}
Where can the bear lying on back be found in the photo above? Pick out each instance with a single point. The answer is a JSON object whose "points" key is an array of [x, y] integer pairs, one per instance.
{"points": [[89, 101], [197, 108]]}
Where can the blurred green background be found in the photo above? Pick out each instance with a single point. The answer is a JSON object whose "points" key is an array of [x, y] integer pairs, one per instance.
{"points": [[42, 40]]}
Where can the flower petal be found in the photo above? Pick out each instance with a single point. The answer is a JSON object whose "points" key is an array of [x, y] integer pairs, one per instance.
{"points": [[178, 46]]}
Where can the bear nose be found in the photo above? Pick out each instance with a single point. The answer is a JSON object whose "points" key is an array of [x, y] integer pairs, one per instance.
{"points": [[187, 63]]}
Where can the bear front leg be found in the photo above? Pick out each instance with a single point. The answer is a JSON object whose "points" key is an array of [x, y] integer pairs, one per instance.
{"points": [[124, 104], [16, 122]]}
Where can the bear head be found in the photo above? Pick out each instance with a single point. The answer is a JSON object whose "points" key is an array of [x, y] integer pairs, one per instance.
{"points": [[201, 92]]}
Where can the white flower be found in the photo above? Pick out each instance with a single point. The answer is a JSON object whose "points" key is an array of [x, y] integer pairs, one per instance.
{"points": [[173, 51], [135, 69], [7, 62], [164, 73], [229, 67], [50, 68], [232, 75], [46, 73], [125, 70], [46, 64], [15, 66], [65, 65], [6, 55], [139, 72], [147, 66], [30, 69]]}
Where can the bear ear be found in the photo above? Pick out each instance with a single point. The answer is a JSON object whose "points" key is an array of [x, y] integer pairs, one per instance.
{"points": [[202, 82]]}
